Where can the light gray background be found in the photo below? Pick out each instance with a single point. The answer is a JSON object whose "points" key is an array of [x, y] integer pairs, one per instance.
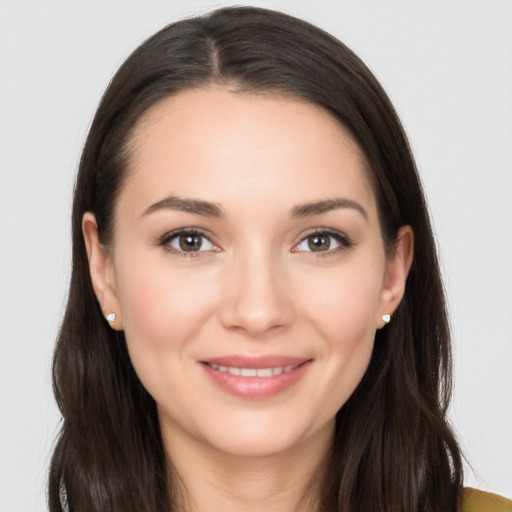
{"points": [[446, 65]]}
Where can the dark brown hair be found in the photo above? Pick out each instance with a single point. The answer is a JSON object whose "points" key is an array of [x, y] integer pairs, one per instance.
{"points": [[394, 450]]}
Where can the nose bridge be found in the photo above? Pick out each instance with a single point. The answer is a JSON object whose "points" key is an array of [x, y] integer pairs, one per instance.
{"points": [[257, 300]]}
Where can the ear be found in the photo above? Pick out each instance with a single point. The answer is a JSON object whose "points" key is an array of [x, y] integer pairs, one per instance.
{"points": [[397, 269], [101, 269]]}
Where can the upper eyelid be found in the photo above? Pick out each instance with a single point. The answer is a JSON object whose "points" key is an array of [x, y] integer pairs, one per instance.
{"points": [[164, 239], [343, 239], [185, 231], [164, 242], [321, 231]]}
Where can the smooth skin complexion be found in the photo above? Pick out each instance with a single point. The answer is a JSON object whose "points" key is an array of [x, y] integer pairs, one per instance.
{"points": [[248, 272]]}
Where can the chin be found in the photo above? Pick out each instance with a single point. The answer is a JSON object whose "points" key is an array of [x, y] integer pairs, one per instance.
{"points": [[250, 447], [261, 438]]}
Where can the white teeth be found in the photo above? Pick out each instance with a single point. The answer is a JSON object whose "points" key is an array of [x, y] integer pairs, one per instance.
{"points": [[264, 372], [252, 372]]}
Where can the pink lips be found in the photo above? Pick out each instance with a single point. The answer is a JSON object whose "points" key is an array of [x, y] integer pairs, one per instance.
{"points": [[256, 377]]}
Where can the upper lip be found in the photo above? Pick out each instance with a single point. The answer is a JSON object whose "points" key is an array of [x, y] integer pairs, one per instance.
{"points": [[257, 362]]}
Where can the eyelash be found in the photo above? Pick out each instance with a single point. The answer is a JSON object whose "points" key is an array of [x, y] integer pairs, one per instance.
{"points": [[169, 237], [345, 243]]}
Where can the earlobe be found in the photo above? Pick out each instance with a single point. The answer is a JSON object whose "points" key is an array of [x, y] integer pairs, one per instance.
{"points": [[101, 271], [397, 269]]}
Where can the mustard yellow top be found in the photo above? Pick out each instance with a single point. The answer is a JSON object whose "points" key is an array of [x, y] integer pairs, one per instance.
{"points": [[480, 501]]}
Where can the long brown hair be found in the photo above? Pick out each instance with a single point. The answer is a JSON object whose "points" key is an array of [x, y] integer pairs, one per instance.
{"points": [[394, 450]]}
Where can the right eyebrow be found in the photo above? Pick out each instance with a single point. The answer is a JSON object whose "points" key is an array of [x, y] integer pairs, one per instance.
{"points": [[197, 206]]}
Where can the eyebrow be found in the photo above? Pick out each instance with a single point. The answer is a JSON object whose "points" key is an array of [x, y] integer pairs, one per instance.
{"points": [[196, 206], [208, 209], [318, 207]]}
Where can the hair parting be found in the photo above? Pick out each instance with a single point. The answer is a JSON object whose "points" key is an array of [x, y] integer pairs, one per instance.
{"points": [[394, 450]]}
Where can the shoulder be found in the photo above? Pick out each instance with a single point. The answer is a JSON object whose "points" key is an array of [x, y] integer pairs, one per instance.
{"points": [[479, 501]]}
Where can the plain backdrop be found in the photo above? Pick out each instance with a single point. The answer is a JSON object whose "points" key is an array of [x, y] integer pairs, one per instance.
{"points": [[447, 66]]}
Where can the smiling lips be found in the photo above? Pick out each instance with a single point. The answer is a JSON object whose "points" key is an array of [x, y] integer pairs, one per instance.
{"points": [[256, 377], [253, 372]]}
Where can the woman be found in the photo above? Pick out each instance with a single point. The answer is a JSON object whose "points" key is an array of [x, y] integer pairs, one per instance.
{"points": [[256, 318]]}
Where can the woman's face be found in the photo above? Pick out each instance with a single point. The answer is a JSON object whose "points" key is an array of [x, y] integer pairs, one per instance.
{"points": [[247, 269]]}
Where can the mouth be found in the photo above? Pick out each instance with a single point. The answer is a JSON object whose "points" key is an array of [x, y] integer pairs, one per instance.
{"points": [[256, 377], [253, 372]]}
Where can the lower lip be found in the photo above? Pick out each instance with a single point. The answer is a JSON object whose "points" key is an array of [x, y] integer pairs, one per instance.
{"points": [[256, 388]]}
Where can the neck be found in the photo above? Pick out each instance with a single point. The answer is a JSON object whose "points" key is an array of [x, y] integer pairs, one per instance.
{"points": [[205, 479]]}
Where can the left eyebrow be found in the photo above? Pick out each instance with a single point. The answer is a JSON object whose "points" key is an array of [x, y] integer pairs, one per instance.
{"points": [[318, 207]]}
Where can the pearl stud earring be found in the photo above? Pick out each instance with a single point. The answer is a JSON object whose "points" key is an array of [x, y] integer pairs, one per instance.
{"points": [[386, 318], [111, 318]]}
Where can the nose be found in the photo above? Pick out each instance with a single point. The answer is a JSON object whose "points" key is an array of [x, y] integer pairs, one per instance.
{"points": [[256, 297]]}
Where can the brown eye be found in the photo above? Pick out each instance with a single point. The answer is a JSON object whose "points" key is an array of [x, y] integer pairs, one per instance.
{"points": [[328, 242], [318, 243], [190, 243]]}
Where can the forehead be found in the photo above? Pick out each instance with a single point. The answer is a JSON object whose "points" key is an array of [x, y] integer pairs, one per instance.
{"points": [[216, 140]]}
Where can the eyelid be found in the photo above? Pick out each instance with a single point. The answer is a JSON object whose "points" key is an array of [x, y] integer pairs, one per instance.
{"points": [[344, 241], [170, 235]]}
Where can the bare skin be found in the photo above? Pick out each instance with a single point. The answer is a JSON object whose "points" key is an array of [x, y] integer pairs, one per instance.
{"points": [[282, 482], [246, 236]]}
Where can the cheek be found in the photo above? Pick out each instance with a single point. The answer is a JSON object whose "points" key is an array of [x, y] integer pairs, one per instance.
{"points": [[344, 305], [162, 311], [342, 310]]}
